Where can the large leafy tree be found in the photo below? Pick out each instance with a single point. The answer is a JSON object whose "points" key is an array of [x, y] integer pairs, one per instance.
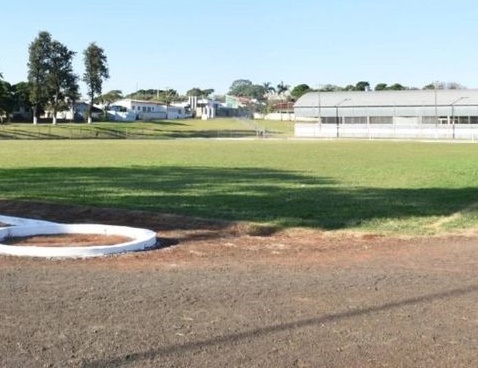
{"points": [[50, 75], [381, 87], [299, 90], [38, 68], [240, 87], [7, 103], [362, 86], [108, 98], [245, 88], [200, 92], [167, 96], [96, 71], [62, 82]]}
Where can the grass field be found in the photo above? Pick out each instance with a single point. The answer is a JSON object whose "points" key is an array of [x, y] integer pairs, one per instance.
{"points": [[161, 129], [387, 187]]}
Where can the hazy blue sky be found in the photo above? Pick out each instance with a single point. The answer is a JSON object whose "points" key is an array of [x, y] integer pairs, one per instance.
{"points": [[209, 43]]}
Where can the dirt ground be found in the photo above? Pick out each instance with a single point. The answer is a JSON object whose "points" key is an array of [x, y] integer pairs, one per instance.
{"points": [[217, 294], [65, 240]]}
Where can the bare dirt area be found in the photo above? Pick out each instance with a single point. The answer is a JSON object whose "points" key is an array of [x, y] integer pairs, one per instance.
{"points": [[218, 294]]}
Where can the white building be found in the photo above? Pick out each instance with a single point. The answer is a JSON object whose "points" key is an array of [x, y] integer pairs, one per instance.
{"points": [[204, 108], [77, 112], [148, 110], [427, 114]]}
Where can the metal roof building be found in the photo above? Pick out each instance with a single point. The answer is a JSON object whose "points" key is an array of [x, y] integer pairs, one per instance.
{"points": [[397, 108], [425, 104]]}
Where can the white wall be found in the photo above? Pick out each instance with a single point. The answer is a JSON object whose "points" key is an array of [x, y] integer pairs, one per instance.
{"points": [[285, 116], [176, 112], [376, 131], [121, 116]]}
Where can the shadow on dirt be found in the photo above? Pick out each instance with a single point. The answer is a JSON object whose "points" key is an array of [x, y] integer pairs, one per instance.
{"points": [[293, 325]]}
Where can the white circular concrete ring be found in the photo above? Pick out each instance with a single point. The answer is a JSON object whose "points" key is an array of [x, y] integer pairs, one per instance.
{"points": [[142, 238]]}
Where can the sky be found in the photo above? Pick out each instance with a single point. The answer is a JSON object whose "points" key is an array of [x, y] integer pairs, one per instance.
{"points": [[182, 44]]}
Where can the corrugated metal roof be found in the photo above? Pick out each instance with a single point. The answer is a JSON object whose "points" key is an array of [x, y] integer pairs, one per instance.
{"points": [[389, 98]]}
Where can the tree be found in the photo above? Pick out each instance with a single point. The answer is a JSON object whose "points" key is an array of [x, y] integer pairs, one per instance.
{"points": [[96, 71], [193, 92], [144, 94], [381, 87], [167, 96], [200, 92], [21, 98], [108, 98], [454, 85], [268, 87], [444, 85], [256, 92], [397, 87], [50, 75], [7, 102], [207, 92], [38, 66], [245, 88], [330, 88], [299, 90], [282, 88], [62, 82], [362, 86], [240, 87]]}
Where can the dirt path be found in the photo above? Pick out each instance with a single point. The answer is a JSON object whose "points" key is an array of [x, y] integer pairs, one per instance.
{"points": [[216, 296]]}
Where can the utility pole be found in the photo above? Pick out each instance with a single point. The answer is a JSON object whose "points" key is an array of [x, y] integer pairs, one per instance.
{"points": [[337, 114]]}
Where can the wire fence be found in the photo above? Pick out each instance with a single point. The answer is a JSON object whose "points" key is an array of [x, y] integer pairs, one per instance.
{"points": [[8, 132]]}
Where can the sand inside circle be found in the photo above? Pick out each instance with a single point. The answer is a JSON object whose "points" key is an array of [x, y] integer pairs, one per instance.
{"points": [[66, 240]]}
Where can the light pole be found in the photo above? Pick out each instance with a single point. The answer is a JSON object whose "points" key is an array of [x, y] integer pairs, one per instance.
{"points": [[435, 86], [337, 113], [453, 113], [319, 117]]}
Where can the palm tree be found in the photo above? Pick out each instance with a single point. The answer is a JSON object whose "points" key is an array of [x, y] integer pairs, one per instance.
{"points": [[281, 89], [268, 87]]}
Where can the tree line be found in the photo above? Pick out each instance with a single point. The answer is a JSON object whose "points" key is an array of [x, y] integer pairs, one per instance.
{"points": [[51, 82], [261, 92]]}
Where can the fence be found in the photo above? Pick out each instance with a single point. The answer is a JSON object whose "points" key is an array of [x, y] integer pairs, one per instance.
{"points": [[388, 131], [44, 132]]}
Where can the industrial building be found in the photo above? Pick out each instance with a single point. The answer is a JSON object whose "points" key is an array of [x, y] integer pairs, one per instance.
{"points": [[434, 114]]}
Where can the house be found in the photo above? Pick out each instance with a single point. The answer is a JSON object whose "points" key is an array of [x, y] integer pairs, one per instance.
{"points": [[205, 108], [76, 112], [148, 110]]}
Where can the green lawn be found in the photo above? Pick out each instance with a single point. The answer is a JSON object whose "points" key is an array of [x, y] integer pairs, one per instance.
{"points": [[161, 129], [387, 187]]}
